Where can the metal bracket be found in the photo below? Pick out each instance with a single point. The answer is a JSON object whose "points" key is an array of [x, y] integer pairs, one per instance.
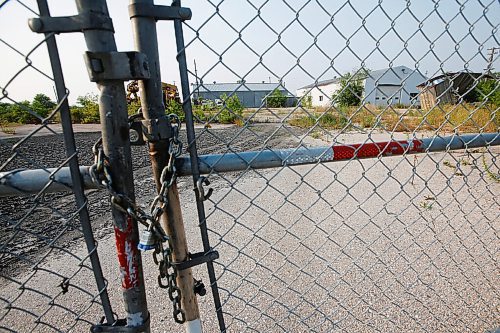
{"points": [[201, 190], [137, 138], [159, 12], [76, 23], [120, 326], [196, 259], [122, 66], [156, 129]]}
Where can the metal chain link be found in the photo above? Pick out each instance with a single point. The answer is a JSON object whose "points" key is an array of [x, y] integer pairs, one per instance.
{"points": [[101, 173]]}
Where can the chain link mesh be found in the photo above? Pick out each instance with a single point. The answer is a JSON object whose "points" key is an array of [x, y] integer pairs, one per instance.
{"points": [[386, 244], [46, 278]]}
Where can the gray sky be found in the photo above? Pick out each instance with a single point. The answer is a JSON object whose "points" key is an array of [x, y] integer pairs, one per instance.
{"points": [[299, 41]]}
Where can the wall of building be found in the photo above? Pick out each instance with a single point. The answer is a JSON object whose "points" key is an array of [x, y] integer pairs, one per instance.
{"points": [[321, 96], [393, 89], [249, 99]]}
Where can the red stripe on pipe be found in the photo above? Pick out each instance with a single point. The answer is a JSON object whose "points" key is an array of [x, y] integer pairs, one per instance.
{"points": [[127, 256], [364, 150]]}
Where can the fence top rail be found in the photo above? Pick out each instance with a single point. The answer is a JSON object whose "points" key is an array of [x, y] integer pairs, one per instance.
{"points": [[25, 182]]}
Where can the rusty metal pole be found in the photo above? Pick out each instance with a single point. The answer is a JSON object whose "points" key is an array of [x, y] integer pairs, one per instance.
{"points": [[153, 109], [116, 145]]}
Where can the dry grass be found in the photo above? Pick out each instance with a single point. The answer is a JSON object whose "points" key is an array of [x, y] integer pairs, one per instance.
{"points": [[464, 118], [8, 128]]}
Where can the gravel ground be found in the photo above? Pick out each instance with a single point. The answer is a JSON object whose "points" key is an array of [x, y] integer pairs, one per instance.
{"points": [[348, 246]]}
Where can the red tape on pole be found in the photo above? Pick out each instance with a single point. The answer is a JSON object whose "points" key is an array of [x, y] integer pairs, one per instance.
{"points": [[127, 256], [365, 150]]}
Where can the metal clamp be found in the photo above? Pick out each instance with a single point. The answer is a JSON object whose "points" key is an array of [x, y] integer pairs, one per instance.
{"points": [[76, 23], [201, 190], [116, 66], [120, 326], [159, 12], [196, 259], [156, 129]]}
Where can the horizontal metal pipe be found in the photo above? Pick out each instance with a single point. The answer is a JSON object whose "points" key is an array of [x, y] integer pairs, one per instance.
{"points": [[276, 158], [24, 182]]}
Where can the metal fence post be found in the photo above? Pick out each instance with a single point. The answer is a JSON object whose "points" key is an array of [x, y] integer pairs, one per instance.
{"points": [[116, 145], [77, 181], [153, 109], [193, 153]]}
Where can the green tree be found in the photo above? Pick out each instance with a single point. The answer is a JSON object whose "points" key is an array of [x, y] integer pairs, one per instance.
{"points": [[87, 109], [276, 99], [20, 113], [232, 109], [350, 92], [42, 105], [489, 91]]}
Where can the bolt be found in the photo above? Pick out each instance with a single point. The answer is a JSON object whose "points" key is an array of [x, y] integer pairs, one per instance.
{"points": [[185, 13], [35, 24], [199, 287]]}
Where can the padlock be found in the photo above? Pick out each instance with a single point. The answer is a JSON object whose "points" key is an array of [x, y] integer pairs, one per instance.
{"points": [[147, 241]]}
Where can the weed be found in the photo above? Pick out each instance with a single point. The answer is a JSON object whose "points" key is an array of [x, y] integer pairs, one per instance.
{"points": [[316, 135], [448, 164], [426, 204], [493, 176], [465, 162], [7, 128]]}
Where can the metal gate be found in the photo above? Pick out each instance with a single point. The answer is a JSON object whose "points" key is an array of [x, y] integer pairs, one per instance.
{"points": [[376, 212]]}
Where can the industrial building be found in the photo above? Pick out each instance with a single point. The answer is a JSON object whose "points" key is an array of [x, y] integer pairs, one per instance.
{"points": [[251, 95], [318, 94], [395, 85]]}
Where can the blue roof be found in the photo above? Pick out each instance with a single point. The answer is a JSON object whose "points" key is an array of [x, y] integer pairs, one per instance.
{"points": [[230, 87]]}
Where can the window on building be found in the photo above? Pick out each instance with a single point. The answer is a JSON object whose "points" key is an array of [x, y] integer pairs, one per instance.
{"points": [[321, 98], [413, 95], [377, 97], [396, 98]]}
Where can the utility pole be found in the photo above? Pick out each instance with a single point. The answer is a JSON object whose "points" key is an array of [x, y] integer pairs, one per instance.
{"points": [[197, 94], [491, 55]]}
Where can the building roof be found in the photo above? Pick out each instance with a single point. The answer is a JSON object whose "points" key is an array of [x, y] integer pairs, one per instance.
{"points": [[230, 87], [393, 76], [321, 83], [455, 77]]}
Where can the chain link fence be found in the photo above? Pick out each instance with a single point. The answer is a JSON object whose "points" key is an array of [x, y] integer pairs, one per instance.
{"points": [[352, 153], [49, 264], [386, 244]]}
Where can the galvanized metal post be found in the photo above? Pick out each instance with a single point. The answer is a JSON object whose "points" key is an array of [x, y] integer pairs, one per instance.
{"points": [[153, 109], [116, 145], [76, 177], [193, 152]]}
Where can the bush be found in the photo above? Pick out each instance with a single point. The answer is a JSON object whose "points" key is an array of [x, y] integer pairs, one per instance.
{"points": [[20, 112], [489, 91], [133, 107], [327, 121], [87, 110], [174, 107], [276, 99], [351, 91], [232, 109]]}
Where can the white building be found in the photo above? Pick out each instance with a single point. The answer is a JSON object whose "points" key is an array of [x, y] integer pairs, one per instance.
{"points": [[392, 86], [319, 93]]}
